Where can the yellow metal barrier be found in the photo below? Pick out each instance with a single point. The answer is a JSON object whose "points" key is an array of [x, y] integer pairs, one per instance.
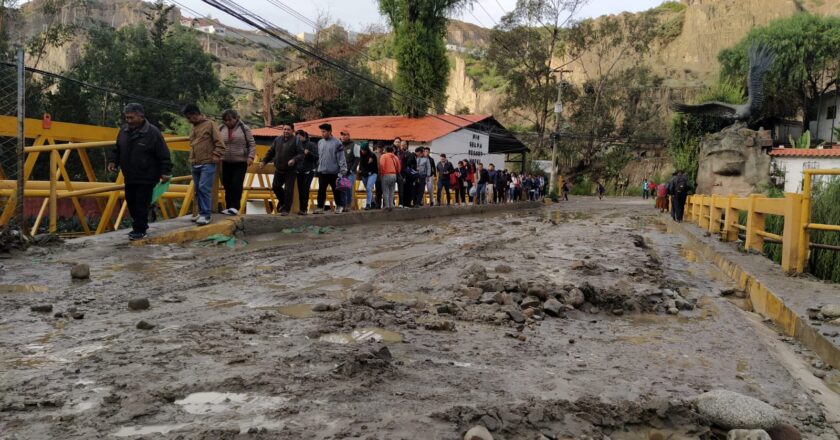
{"points": [[109, 195], [720, 215]]}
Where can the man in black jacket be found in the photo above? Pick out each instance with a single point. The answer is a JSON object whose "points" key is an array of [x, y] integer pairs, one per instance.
{"points": [[143, 156], [306, 169], [409, 195], [286, 152]]}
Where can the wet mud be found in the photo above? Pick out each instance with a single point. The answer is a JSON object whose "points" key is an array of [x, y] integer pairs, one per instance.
{"points": [[586, 320]]}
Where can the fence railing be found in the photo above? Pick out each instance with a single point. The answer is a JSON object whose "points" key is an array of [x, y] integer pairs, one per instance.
{"points": [[721, 215], [110, 196]]}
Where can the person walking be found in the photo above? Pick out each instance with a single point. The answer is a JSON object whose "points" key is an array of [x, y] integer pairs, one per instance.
{"points": [[306, 169], [565, 190], [445, 170], [240, 150], [681, 187], [143, 157], [206, 151], [601, 190], [662, 197], [352, 157], [645, 189], [286, 152], [331, 163], [389, 169], [369, 172]]}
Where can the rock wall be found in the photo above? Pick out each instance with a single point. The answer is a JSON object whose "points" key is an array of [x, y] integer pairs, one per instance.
{"points": [[733, 161]]}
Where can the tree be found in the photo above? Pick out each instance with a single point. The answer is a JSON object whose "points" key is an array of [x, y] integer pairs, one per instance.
{"points": [[422, 66], [522, 49], [807, 65]]}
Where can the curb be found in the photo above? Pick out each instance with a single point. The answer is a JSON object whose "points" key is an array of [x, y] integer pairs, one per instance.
{"points": [[267, 223], [766, 302]]}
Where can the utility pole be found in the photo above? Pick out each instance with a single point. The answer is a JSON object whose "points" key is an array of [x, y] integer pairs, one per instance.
{"points": [[268, 95], [555, 137]]}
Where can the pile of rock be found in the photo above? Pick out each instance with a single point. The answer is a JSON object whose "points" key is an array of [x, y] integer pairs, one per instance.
{"points": [[829, 313], [520, 300]]}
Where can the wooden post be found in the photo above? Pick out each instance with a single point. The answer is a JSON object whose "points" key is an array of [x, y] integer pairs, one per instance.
{"points": [[53, 194], [791, 247], [755, 222], [730, 219]]}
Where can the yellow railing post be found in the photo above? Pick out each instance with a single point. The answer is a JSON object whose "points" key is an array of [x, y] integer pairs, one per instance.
{"points": [[714, 215], [755, 222], [730, 218], [53, 193], [704, 212], [805, 219], [792, 233]]}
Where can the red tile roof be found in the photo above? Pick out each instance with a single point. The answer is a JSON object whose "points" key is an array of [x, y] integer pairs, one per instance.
{"points": [[385, 128], [801, 152]]}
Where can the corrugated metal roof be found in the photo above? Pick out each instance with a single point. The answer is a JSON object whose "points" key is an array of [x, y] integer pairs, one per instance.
{"points": [[385, 128], [801, 152]]}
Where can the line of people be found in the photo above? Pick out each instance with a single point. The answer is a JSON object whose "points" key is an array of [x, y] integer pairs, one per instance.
{"points": [[389, 173], [671, 195]]}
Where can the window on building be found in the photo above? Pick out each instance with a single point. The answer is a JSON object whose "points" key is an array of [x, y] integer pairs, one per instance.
{"points": [[811, 166], [831, 112]]}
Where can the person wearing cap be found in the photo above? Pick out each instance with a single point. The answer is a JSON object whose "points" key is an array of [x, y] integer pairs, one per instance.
{"points": [[143, 157], [331, 164], [206, 152]]}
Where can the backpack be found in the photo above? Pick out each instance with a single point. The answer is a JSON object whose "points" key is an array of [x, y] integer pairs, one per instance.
{"points": [[682, 186]]}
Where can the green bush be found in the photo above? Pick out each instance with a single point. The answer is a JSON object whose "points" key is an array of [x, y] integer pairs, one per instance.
{"points": [[583, 186], [825, 209]]}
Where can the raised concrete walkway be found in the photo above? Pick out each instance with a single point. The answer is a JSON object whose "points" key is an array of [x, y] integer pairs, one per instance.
{"points": [[182, 230], [783, 299]]}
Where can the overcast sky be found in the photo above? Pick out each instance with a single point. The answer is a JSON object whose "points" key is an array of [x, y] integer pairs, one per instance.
{"points": [[359, 14]]}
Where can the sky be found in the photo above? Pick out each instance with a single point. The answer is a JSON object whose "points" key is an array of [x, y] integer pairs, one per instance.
{"points": [[360, 14]]}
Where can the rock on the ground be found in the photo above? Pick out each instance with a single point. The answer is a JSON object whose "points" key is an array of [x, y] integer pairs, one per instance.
{"points": [[437, 324], [673, 311], [42, 308], [574, 297], [504, 268], [530, 302], [77, 315], [321, 307], [473, 293], [784, 432], [138, 304], [731, 410], [553, 307], [830, 311], [517, 316], [747, 434], [143, 325], [80, 271], [538, 292], [363, 288]]}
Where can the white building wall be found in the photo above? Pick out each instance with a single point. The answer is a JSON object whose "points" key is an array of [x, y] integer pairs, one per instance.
{"points": [[823, 129], [469, 145], [793, 166]]}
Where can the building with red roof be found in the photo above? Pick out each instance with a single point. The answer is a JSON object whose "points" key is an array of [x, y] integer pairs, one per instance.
{"points": [[792, 161]]}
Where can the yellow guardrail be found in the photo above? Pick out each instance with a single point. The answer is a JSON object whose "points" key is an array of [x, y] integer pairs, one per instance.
{"points": [[81, 138], [721, 215]]}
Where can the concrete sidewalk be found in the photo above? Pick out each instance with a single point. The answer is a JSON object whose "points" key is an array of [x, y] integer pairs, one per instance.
{"points": [[182, 230], [784, 299]]}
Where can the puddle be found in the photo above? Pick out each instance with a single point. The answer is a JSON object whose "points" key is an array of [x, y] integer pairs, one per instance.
{"points": [[23, 288], [129, 431], [213, 402], [362, 335], [336, 283], [298, 311], [224, 303], [688, 254]]}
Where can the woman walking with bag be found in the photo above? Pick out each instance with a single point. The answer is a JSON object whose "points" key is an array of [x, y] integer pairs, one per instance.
{"points": [[239, 155]]}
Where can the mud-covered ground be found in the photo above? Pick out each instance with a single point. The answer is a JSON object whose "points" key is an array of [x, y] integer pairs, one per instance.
{"points": [[578, 321]]}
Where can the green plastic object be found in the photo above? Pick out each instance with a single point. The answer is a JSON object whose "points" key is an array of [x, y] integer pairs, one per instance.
{"points": [[221, 240], [158, 191]]}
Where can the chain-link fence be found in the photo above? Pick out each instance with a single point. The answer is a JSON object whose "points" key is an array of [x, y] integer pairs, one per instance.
{"points": [[12, 105]]}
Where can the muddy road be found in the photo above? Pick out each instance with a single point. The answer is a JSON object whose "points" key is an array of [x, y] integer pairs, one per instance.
{"points": [[588, 320]]}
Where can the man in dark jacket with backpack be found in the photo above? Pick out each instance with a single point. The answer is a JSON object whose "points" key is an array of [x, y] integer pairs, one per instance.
{"points": [[142, 155], [679, 188]]}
